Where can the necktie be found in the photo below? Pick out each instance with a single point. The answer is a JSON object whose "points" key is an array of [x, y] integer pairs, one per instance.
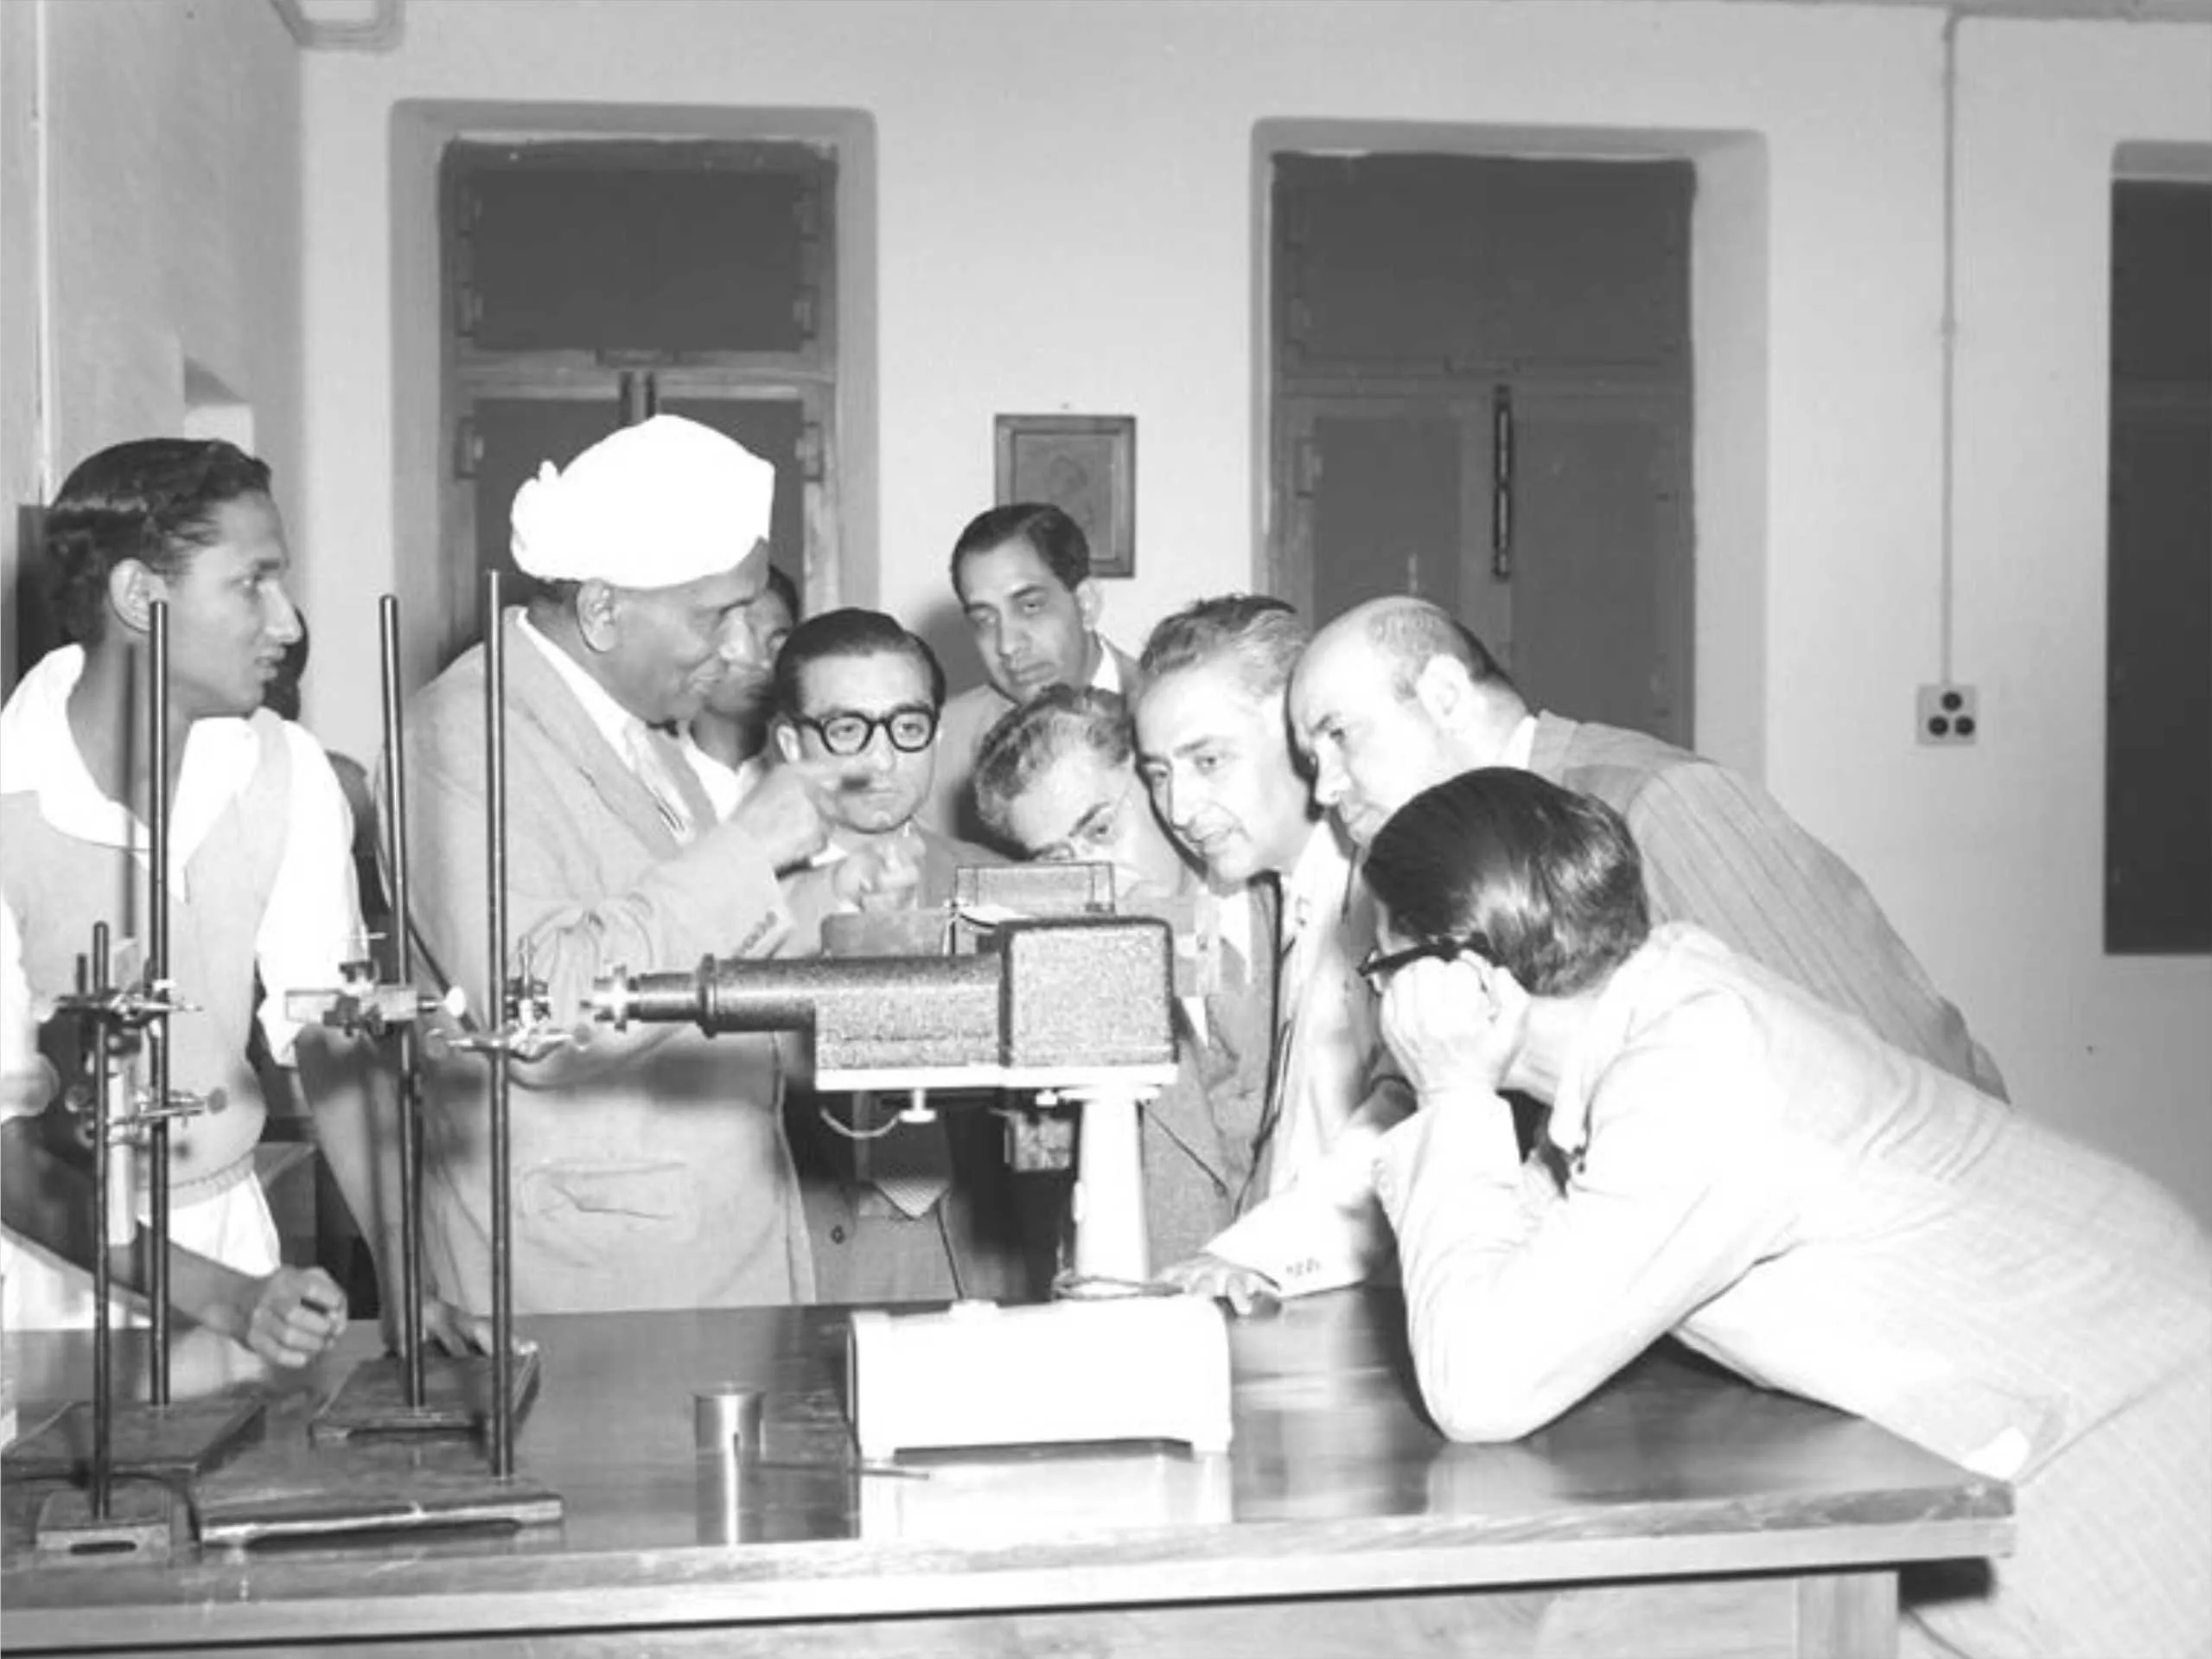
{"points": [[651, 769]]}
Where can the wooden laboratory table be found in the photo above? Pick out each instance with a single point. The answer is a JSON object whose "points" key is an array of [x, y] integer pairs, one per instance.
{"points": [[1677, 1512]]}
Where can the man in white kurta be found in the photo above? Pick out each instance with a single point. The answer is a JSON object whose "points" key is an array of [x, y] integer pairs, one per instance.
{"points": [[260, 878]]}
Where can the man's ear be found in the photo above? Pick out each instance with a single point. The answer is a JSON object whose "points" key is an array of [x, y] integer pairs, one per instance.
{"points": [[1089, 602], [1444, 692], [787, 737], [598, 614], [133, 587]]}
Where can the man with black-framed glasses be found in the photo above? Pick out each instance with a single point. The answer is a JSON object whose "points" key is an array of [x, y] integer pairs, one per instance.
{"points": [[927, 1211]]}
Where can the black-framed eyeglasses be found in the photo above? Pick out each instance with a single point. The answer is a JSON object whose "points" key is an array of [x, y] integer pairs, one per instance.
{"points": [[911, 728], [1377, 965]]}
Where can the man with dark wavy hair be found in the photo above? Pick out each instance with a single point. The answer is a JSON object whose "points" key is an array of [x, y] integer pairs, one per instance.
{"points": [[261, 878], [1749, 1169]]}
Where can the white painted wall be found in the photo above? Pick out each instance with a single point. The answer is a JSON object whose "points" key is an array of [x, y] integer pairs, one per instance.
{"points": [[164, 141], [21, 477], [2009, 848]]}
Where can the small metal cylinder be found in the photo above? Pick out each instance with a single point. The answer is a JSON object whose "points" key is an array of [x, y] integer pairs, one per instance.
{"points": [[727, 1420]]}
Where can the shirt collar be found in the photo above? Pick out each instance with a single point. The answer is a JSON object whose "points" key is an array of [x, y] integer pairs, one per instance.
{"points": [[39, 753], [1521, 746], [1320, 884], [1106, 677], [614, 722]]}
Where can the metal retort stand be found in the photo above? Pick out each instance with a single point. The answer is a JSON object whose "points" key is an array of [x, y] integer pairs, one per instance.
{"points": [[415, 1391], [417, 1438], [130, 1463]]}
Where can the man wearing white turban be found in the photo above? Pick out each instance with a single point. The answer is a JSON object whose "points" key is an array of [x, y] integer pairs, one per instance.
{"points": [[650, 1167]]}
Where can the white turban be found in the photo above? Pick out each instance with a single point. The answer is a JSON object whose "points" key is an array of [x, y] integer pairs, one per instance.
{"points": [[653, 505]]}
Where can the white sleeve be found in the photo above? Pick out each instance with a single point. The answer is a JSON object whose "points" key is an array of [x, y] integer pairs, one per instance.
{"points": [[313, 923], [1516, 1310], [26, 1080], [1325, 1230]]}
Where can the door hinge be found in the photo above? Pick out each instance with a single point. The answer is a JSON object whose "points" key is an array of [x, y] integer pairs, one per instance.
{"points": [[467, 447], [812, 449], [640, 392], [1305, 466]]}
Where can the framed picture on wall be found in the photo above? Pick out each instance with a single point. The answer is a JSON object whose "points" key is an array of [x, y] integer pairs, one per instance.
{"points": [[1086, 465]]}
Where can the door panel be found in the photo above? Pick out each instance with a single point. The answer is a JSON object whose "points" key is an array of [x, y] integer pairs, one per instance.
{"points": [[2158, 682], [1466, 266], [1600, 589], [1589, 608], [1386, 503]]}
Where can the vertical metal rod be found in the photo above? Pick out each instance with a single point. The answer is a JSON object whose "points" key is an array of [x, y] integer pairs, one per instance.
{"points": [[103, 1318], [403, 965], [504, 1011], [157, 1030]]}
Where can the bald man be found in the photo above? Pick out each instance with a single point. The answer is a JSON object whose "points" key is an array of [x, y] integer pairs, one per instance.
{"points": [[1394, 695]]}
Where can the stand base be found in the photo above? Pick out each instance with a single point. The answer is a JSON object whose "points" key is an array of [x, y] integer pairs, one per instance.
{"points": [[179, 1441], [144, 1521], [456, 1397], [366, 1486]]}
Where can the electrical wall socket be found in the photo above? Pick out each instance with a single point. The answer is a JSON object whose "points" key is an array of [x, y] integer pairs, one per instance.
{"points": [[1948, 715]]}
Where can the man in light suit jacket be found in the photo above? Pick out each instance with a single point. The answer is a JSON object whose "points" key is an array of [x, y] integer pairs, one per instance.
{"points": [[1395, 695], [1022, 575], [1214, 749], [650, 1167]]}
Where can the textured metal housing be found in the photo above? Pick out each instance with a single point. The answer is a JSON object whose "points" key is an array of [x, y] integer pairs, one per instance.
{"points": [[1088, 992]]}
